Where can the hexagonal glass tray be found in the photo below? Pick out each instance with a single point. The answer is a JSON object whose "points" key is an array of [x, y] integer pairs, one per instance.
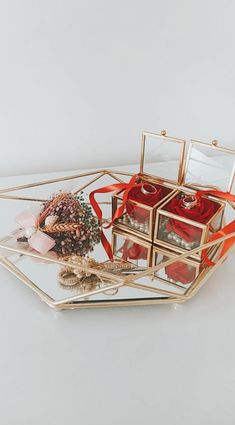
{"points": [[40, 272]]}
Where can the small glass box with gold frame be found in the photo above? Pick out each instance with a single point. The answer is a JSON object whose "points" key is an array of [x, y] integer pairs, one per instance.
{"points": [[131, 248], [181, 273], [183, 221], [157, 178]]}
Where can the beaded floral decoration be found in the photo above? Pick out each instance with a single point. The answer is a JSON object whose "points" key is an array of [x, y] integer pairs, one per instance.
{"points": [[65, 225], [71, 224]]}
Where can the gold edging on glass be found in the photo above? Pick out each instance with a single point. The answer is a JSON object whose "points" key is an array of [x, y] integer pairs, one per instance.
{"points": [[161, 135], [213, 146]]}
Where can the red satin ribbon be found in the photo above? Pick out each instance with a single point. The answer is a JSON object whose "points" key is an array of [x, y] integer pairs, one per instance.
{"points": [[119, 211], [226, 230], [230, 228], [218, 193]]}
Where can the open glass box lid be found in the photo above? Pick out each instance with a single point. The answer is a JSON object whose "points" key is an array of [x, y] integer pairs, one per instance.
{"points": [[158, 151], [204, 166], [209, 166]]}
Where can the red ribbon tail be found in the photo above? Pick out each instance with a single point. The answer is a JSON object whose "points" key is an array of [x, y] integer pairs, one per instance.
{"points": [[227, 196], [118, 213], [226, 230], [106, 245], [230, 228]]}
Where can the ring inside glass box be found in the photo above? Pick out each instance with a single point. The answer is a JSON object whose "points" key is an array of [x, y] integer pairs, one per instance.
{"points": [[141, 205], [185, 221]]}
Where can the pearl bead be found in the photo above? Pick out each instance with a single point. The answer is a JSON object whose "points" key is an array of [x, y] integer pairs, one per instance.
{"points": [[50, 220], [177, 240], [29, 232], [169, 236], [188, 246]]}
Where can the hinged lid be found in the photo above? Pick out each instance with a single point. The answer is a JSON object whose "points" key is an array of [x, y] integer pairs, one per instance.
{"points": [[209, 166], [162, 157]]}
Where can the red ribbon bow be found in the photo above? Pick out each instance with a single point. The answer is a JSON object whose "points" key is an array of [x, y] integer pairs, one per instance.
{"points": [[119, 211]]}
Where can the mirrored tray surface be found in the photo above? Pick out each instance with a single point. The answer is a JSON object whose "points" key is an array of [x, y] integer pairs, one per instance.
{"points": [[40, 272]]}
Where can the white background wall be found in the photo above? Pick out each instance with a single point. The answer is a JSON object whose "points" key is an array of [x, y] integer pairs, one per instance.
{"points": [[80, 79]]}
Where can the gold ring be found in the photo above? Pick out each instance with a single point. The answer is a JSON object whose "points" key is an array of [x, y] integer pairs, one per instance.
{"points": [[148, 189], [189, 202]]}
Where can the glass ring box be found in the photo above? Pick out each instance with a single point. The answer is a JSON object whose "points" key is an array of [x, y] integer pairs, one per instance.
{"points": [[142, 204], [183, 222], [181, 273], [178, 220], [127, 247]]}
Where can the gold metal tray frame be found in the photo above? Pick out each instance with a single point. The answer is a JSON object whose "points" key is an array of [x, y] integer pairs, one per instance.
{"points": [[115, 281]]}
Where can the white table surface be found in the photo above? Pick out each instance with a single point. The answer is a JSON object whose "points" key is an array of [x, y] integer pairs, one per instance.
{"points": [[168, 364]]}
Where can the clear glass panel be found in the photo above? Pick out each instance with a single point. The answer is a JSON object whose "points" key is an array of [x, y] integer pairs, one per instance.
{"points": [[179, 272], [217, 222], [210, 167], [135, 217], [179, 234], [128, 250], [159, 153]]}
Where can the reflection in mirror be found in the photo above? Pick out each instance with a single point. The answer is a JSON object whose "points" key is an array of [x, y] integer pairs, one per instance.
{"points": [[61, 282], [165, 288], [47, 277], [65, 281], [127, 249], [179, 273], [210, 167], [158, 153]]}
